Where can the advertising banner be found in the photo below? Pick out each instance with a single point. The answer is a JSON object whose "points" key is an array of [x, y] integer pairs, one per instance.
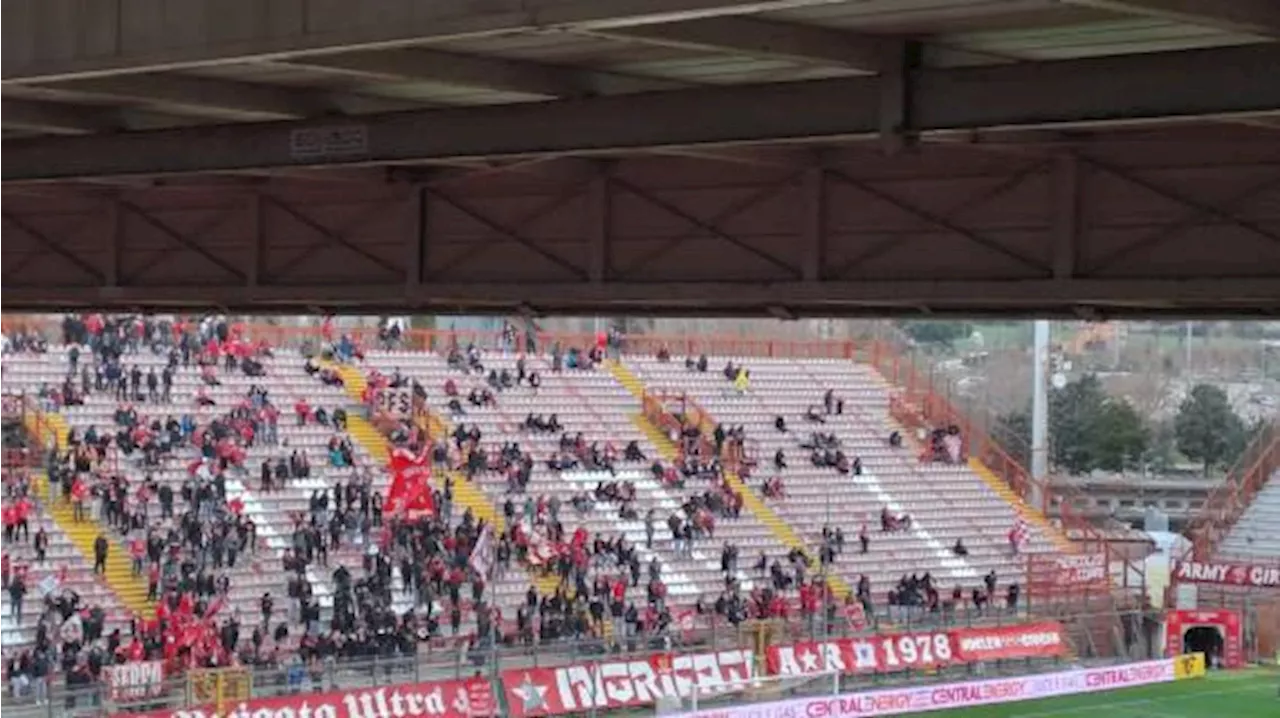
{"points": [[470, 698], [1044, 639], [1067, 572], [623, 683], [917, 651], [135, 681], [1227, 574], [917, 699]]}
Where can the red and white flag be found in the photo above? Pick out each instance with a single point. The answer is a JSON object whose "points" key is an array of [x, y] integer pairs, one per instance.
{"points": [[856, 615], [1019, 534], [410, 492], [542, 551], [482, 556], [211, 611]]}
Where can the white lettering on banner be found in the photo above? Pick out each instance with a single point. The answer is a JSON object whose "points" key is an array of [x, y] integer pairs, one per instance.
{"points": [[1082, 568], [374, 705], [971, 693], [1207, 572], [1228, 573], [136, 680], [1126, 675], [857, 655], [993, 642], [614, 683], [450, 700], [1264, 576], [954, 695], [916, 650]]}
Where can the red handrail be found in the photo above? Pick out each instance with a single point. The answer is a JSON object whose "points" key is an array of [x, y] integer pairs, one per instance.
{"points": [[1228, 500]]}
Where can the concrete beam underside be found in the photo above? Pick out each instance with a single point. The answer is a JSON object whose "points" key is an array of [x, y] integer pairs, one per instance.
{"points": [[1260, 17], [48, 40], [1217, 83]]}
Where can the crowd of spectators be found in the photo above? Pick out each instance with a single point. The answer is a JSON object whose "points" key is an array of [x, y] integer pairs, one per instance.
{"points": [[191, 544]]}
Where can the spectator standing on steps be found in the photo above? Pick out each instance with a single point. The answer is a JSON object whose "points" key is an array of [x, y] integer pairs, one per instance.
{"points": [[17, 591], [41, 545], [100, 554]]}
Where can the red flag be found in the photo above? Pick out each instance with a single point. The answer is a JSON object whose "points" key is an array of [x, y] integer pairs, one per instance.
{"points": [[212, 609], [855, 615], [410, 490]]}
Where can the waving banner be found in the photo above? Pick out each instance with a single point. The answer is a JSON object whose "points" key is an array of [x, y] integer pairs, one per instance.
{"points": [[410, 492]]}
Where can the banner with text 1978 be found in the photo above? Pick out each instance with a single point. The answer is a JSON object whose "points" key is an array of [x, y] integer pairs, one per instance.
{"points": [[919, 651]]}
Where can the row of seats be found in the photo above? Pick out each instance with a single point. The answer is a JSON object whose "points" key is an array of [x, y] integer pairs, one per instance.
{"points": [[946, 502], [592, 403], [271, 512], [1254, 538]]}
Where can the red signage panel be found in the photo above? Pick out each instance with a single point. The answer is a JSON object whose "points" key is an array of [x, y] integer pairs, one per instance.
{"points": [[623, 683], [1227, 574], [440, 699]]}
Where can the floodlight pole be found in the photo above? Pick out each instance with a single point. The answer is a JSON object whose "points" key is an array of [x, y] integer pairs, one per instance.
{"points": [[1040, 407]]}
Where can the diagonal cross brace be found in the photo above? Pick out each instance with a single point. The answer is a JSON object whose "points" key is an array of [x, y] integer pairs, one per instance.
{"points": [[940, 222], [719, 218], [507, 232], [707, 227], [885, 245], [54, 246], [159, 255], [526, 220], [181, 239], [334, 237], [1197, 210]]}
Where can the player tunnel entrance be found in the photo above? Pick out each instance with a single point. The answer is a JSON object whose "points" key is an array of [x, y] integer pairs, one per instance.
{"points": [[1203, 639], [1217, 632]]}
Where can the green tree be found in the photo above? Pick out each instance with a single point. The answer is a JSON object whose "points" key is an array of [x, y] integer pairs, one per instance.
{"points": [[1163, 449], [1087, 430], [1074, 411], [1208, 430], [1119, 436]]}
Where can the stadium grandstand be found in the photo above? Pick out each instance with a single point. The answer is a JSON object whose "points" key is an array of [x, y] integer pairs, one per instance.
{"points": [[699, 358], [206, 508]]}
